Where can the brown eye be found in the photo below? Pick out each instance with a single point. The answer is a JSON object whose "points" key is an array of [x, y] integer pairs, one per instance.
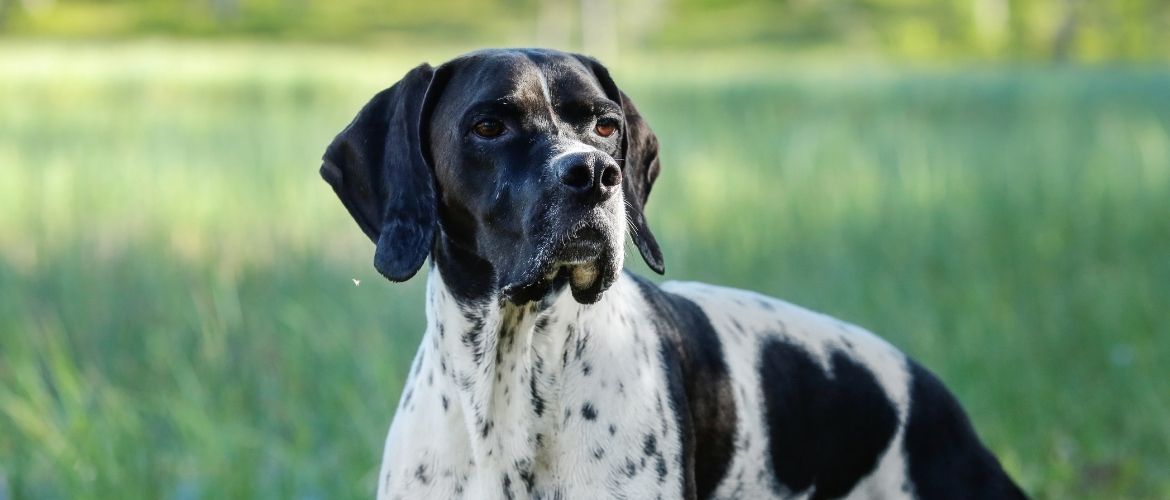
{"points": [[489, 128], [605, 128]]}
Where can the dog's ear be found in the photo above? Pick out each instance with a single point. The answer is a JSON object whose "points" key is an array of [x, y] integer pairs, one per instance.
{"points": [[376, 166], [640, 168]]}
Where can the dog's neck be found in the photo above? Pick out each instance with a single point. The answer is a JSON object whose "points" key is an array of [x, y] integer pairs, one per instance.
{"points": [[508, 364]]}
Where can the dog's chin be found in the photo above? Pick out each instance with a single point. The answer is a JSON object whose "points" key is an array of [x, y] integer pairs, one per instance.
{"points": [[588, 281], [587, 270]]}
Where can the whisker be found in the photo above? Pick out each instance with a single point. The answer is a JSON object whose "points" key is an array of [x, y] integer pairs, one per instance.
{"points": [[630, 224]]}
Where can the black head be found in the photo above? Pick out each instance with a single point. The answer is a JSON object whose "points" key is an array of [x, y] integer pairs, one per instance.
{"points": [[531, 164]]}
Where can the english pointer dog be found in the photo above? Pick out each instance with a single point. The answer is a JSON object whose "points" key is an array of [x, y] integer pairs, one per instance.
{"points": [[548, 372]]}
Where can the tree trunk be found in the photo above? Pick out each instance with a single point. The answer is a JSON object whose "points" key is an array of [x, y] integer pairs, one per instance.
{"points": [[1066, 32]]}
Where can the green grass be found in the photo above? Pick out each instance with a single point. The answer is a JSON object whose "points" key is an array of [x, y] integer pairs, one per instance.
{"points": [[178, 320]]}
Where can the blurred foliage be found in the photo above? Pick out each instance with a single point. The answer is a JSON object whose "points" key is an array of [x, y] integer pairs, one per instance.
{"points": [[178, 317], [927, 29]]}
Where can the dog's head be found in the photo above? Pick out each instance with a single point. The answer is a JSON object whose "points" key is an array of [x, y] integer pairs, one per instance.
{"points": [[532, 161]]}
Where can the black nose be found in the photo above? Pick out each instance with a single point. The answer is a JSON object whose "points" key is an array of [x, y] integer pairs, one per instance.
{"points": [[595, 177]]}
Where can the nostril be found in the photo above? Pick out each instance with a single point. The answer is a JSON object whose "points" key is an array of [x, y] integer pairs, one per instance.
{"points": [[611, 176], [578, 176]]}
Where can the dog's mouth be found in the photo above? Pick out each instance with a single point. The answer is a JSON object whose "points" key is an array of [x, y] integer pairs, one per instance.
{"points": [[583, 246], [584, 260]]}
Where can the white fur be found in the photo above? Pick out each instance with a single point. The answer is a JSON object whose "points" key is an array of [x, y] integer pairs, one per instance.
{"points": [[624, 388], [432, 453]]}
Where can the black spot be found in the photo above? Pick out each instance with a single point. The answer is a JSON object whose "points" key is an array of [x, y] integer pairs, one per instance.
{"points": [[660, 467], [537, 401], [508, 487], [541, 324], [826, 430], [699, 389], [421, 474], [650, 445], [471, 336], [529, 479], [443, 398], [418, 363], [582, 341], [944, 455], [586, 368], [631, 469], [588, 411], [487, 428], [612, 429], [598, 453]]}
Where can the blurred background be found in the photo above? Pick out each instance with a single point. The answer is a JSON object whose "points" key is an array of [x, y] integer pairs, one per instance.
{"points": [[985, 183]]}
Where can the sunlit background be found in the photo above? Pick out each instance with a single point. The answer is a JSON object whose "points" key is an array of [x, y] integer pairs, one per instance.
{"points": [[985, 183]]}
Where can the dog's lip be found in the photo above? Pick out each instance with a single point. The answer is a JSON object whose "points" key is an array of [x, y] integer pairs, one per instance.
{"points": [[574, 261], [584, 245], [587, 232]]}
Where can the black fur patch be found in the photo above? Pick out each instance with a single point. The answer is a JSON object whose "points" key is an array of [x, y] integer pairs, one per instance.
{"points": [[534, 395], [700, 389], [945, 458], [588, 411], [826, 429]]}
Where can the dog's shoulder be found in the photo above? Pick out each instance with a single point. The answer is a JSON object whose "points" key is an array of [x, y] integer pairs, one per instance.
{"points": [[842, 409], [821, 398]]}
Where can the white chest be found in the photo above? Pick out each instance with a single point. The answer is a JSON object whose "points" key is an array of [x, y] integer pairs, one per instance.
{"points": [[565, 402]]}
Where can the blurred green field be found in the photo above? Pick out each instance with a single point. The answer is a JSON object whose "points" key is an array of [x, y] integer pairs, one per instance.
{"points": [[178, 320]]}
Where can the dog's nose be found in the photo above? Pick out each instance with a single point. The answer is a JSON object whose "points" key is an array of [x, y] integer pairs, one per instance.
{"points": [[594, 176]]}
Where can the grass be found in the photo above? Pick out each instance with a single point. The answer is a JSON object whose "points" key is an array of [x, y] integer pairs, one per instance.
{"points": [[178, 320]]}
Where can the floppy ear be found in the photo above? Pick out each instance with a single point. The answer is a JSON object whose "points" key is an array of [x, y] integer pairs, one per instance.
{"points": [[376, 167], [640, 168]]}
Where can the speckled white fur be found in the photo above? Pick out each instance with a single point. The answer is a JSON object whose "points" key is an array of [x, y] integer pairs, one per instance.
{"points": [[432, 453], [436, 453], [818, 334]]}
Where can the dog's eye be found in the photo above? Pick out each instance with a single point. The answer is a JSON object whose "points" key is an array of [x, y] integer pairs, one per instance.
{"points": [[605, 127], [488, 128]]}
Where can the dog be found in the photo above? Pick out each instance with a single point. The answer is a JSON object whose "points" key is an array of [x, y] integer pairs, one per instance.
{"points": [[546, 371]]}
